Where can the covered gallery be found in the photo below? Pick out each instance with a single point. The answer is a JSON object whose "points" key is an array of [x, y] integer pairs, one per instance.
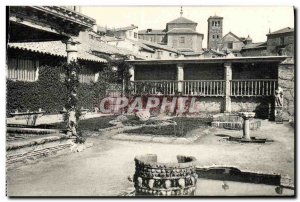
{"points": [[220, 84]]}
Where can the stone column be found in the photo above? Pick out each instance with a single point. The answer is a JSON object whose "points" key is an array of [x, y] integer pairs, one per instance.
{"points": [[71, 50], [180, 77], [228, 78], [246, 126]]}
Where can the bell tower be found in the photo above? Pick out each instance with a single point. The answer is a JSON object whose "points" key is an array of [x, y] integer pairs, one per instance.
{"points": [[215, 31]]}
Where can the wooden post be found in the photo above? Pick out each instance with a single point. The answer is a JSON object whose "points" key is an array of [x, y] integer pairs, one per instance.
{"points": [[131, 72], [180, 77], [228, 78]]}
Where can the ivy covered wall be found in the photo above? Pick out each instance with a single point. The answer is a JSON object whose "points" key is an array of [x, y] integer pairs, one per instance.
{"points": [[49, 93]]}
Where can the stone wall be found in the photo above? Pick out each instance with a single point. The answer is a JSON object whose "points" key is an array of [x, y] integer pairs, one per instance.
{"points": [[283, 41], [260, 105], [191, 41], [286, 80], [254, 52], [211, 104]]}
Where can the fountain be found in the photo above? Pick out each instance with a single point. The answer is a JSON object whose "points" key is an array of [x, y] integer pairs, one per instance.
{"points": [[164, 179], [246, 126]]}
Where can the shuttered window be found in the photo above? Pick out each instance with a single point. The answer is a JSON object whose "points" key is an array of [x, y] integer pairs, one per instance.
{"points": [[21, 69]]}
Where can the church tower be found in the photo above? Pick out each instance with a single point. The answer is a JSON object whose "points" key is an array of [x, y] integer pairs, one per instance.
{"points": [[215, 31]]}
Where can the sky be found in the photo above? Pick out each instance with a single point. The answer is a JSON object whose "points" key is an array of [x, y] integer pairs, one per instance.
{"points": [[242, 21]]}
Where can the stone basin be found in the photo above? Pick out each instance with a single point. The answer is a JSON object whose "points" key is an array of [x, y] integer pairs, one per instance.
{"points": [[247, 115], [153, 178]]}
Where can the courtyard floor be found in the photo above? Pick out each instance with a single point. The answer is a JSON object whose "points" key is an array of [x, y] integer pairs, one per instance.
{"points": [[104, 169]]}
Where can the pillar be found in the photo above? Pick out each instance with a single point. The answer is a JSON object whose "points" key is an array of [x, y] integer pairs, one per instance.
{"points": [[246, 125], [180, 77], [131, 72], [228, 78], [72, 50], [246, 129]]}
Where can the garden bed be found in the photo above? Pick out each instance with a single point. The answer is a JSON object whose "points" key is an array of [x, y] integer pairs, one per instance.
{"points": [[182, 129], [93, 124]]}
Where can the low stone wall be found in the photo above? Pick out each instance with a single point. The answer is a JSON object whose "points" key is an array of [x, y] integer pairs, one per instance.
{"points": [[164, 179], [233, 122]]}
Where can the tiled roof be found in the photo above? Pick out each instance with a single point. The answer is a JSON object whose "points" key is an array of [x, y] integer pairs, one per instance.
{"points": [[142, 45], [54, 48], [181, 20], [105, 48], [217, 52], [153, 31], [185, 50], [281, 31], [191, 53], [182, 31], [85, 49], [131, 27], [110, 38], [235, 36], [158, 46], [255, 45]]}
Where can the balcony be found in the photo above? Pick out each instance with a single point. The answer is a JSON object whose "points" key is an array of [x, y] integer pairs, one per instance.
{"points": [[210, 88], [254, 87]]}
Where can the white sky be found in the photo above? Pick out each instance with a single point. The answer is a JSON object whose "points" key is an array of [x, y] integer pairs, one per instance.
{"points": [[242, 21]]}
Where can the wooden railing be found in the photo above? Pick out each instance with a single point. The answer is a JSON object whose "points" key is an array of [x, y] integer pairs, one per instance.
{"points": [[167, 87], [204, 87], [254, 87]]}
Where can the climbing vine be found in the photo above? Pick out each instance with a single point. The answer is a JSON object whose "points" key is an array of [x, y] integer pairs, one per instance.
{"points": [[72, 71]]}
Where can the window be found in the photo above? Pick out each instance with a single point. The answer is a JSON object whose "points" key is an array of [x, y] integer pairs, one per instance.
{"points": [[217, 36], [135, 35], [213, 23], [182, 39], [170, 54], [22, 69], [230, 45], [213, 36]]}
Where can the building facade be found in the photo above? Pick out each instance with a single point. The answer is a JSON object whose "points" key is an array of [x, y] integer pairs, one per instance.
{"points": [[215, 31], [153, 35], [281, 42], [179, 34]]}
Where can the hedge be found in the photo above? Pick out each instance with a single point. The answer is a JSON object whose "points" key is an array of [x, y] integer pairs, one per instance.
{"points": [[49, 93]]}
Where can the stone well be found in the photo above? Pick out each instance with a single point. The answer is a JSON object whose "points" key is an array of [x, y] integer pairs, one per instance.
{"points": [[165, 179]]}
